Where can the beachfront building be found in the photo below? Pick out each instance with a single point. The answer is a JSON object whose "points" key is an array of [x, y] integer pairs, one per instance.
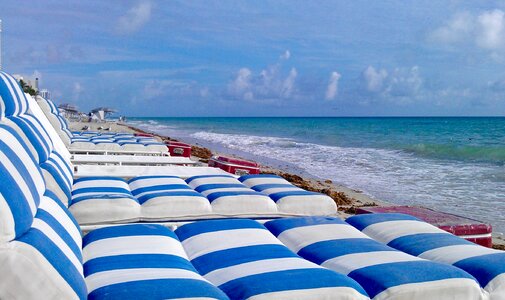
{"points": [[44, 93]]}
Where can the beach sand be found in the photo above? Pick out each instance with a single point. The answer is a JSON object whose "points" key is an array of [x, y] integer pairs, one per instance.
{"points": [[347, 199]]}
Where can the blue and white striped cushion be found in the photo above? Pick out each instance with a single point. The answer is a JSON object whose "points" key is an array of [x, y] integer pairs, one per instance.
{"points": [[21, 185], [36, 135], [385, 273], [290, 199], [103, 200], [413, 236], [46, 261], [231, 198], [247, 262], [12, 98], [168, 198], [141, 262], [58, 175]]}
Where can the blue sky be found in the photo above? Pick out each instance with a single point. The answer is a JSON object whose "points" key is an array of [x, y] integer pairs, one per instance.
{"points": [[263, 58]]}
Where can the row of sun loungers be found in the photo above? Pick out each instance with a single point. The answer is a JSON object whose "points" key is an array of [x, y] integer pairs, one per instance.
{"points": [[44, 256]]}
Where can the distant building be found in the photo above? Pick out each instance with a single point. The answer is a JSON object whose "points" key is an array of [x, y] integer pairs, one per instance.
{"points": [[44, 93]]}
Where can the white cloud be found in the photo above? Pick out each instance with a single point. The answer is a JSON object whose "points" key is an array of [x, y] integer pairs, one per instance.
{"points": [[400, 85], [332, 89], [135, 18], [268, 86], [374, 79], [485, 30], [491, 29], [286, 55], [77, 91]]}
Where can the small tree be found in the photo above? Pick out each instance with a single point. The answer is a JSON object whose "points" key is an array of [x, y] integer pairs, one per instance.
{"points": [[27, 88]]}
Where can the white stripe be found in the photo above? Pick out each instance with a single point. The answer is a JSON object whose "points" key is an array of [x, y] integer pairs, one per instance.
{"points": [[453, 254], [7, 230], [209, 242], [345, 264], [160, 191], [106, 278], [58, 241], [124, 194], [57, 212], [222, 276], [387, 231], [235, 189], [476, 236], [283, 189], [315, 293], [299, 237], [148, 182], [149, 244], [101, 183], [496, 287], [269, 180]]}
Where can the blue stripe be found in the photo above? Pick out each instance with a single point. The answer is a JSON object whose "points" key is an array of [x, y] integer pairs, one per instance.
{"points": [[37, 142], [280, 225], [207, 176], [59, 177], [378, 278], [213, 186], [245, 177], [162, 187], [61, 231], [127, 230], [362, 221], [235, 256], [262, 187], [320, 252], [158, 289], [64, 164], [136, 261], [12, 103], [278, 196], [145, 198], [217, 195], [98, 178], [188, 230], [485, 267], [53, 197], [57, 259], [245, 287], [415, 244]]}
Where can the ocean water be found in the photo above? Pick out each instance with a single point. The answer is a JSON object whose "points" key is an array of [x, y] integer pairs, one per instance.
{"points": [[451, 164]]}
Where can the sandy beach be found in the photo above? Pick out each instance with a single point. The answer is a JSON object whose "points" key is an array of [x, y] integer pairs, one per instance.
{"points": [[347, 199]]}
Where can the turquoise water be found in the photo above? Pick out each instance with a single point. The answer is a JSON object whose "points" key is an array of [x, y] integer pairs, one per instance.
{"points": [[453, 164]]}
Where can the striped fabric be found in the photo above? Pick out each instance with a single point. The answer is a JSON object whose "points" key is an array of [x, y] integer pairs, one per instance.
{"points": [[103, 199], [46, 261], [12, 98], [229, 197], [58, 175], [247, 262], [168, 197], [384, 273], [21, 185], [289, 198], [413, 236], [141, 262]]}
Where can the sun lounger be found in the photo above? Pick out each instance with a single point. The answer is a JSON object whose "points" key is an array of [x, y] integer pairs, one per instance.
{"points": [[290, 198], [247, 262], [384, 272], [141, 262], [418, 238], [122, 160], [41, 253]]}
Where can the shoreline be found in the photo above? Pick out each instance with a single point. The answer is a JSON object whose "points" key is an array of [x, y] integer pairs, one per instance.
{"points": [[347, 199]]}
